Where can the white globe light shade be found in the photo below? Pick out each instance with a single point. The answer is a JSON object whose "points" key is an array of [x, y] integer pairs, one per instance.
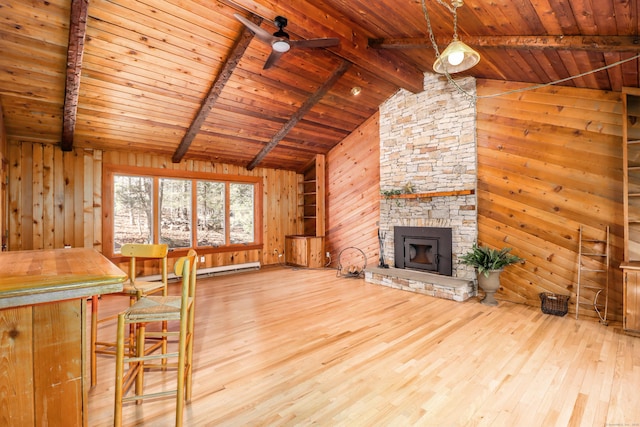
{"points": [[455, 58]]}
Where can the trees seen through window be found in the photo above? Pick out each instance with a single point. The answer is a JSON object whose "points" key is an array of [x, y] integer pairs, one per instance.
{"points": [[190, 212]]}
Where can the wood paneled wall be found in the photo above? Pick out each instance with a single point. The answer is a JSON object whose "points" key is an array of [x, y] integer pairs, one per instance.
{"points": [[549, 160], [4, 179], [56, 199], [353, 195]]}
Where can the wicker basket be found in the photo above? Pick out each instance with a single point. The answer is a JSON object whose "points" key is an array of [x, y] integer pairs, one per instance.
{"points": [[554, 304]]}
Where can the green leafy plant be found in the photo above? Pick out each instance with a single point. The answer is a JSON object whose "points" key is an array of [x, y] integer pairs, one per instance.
{"points": [[406, 189], [485, 259], [389, 193]]}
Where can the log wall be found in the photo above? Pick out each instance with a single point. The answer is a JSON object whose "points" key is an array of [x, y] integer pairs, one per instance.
{"points": [[56, 199], [549, 160]]}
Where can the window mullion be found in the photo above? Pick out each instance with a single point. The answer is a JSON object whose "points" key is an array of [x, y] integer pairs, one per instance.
{"points": [[156, 210], [194, 212], [227, 213]]}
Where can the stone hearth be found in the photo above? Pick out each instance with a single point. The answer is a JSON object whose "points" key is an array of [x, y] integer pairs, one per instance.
{"points": [[431, 284]]}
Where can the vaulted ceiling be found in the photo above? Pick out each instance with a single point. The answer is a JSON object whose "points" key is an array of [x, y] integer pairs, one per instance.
{"points": [[185, 78]]}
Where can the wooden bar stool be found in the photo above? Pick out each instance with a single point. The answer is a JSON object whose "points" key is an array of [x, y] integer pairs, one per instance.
{"points": [[133, 288], [152, 309]]}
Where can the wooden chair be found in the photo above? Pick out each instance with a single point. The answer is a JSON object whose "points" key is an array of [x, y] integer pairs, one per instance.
{"points": [[135, 289], [154, 309]]}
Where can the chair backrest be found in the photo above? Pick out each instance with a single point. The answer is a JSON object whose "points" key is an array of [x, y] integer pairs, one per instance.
{"points": [[146, 250], [186, 267]]}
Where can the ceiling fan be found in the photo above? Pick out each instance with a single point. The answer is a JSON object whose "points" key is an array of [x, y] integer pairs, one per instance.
{"points": [[280, 42]]}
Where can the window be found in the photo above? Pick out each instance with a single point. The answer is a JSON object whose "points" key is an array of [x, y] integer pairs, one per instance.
{"points": [[203, 211], [241, 213], [175, 212], [133, 221], [211, 217]]}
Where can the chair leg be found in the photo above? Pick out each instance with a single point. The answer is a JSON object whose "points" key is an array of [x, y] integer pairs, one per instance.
{"points": [[182, 345], [140, 352], [189, 358], [132, 330], [117, 416], [165, 340]]}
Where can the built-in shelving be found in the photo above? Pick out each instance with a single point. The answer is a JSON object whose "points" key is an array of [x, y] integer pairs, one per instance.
{"points": [[631, 207], [307, 249], [311, 192]]}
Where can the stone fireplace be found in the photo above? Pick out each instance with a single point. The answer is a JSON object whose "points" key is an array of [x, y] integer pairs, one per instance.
{"points": [[427, 143]]}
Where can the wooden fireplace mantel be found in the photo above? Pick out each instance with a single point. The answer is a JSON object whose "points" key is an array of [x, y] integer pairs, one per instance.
{"points": [[431, 194]]}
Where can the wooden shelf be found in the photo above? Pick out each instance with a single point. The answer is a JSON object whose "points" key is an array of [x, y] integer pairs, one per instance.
{"points": [[432, 194], [630, 267], [311, 192]]}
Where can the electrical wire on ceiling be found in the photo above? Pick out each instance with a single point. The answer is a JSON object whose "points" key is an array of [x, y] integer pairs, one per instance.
{"points": [[474, 97]]}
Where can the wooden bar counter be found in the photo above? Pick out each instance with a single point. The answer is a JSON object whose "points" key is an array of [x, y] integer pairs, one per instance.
{"points": [[43, 297]]}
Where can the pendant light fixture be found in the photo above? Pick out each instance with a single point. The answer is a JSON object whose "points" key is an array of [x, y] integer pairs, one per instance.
{"points": [[457, 56]]}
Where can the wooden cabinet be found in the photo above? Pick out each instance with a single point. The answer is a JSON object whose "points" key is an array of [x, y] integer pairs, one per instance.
{"points": [[631, 289], [304, 251], [631, 206], [43, 328], [312, 198], [43, 359]]}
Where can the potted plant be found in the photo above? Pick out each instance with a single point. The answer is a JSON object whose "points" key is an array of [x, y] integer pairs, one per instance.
{"points": [[489, 263]]}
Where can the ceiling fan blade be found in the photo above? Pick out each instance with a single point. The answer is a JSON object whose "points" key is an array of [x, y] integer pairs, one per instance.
{"points": [[260, 33], [273, 57], [326, 42]]}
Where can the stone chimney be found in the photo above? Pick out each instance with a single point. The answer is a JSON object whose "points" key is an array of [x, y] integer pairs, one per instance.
{"points": [[428, 142]]}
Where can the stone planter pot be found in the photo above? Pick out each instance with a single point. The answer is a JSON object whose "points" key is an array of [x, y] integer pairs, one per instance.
{"points": [[489, 285]]}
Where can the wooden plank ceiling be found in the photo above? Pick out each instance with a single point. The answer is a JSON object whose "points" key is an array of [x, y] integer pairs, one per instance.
{"points": [[185, 78]]}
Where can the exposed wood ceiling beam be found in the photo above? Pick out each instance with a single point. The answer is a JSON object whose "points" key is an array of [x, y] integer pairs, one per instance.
{"points": [[75, 50], [216, 88], [586, 43], [304, 108], [310, 21]]}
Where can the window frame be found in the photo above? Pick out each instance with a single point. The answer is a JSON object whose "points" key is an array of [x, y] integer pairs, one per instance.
{"points": [[157, 174]]}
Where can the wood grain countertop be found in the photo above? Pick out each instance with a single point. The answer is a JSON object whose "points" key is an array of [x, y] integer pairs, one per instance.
{"points": [[39, 276]]}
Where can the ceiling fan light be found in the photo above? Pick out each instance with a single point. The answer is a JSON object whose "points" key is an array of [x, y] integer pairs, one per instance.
{"points": [[280, 46], [457, 57]]}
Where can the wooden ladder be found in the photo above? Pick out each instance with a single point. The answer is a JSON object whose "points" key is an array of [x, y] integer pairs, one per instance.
{"points": [[593, 264]]}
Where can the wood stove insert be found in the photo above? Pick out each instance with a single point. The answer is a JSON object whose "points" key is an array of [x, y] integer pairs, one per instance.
{"points": [[423, 249]]}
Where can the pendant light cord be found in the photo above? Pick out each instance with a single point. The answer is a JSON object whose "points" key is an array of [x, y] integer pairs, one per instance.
{"points": [[472, 97]]}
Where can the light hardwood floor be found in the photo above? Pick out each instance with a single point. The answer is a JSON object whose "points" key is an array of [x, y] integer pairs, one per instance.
{"points": [[284, 347]]}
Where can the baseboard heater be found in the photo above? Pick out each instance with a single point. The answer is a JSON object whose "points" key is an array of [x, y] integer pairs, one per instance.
{"points": [[211, 271]]}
